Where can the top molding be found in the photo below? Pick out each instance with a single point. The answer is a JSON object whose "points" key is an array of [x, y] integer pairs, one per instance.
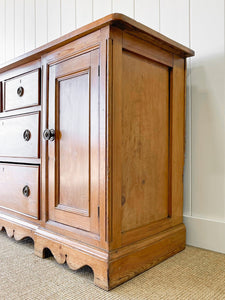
{"points": [[119, 20]]}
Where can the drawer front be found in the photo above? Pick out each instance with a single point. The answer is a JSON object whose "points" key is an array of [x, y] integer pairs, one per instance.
{"points": [[19, 136], [22, 91], [19, 189]]}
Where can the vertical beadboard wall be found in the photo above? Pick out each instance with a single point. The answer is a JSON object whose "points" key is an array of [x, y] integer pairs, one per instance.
{"points": [[199, 24]]}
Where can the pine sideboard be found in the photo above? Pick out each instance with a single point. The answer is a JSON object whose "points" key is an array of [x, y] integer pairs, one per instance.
{"points": [[92, 132]]}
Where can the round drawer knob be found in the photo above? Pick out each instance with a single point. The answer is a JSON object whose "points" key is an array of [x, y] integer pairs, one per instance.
{"points": [[20, 91], [49, 134], [26, 191], [27, 135]]}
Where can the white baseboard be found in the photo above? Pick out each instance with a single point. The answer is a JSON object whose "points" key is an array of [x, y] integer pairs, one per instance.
{"points": [[204, 233]]}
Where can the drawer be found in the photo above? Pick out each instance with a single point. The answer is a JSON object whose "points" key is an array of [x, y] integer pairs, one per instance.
{"points": [[19, 189], [22, 91], [19, 136]]}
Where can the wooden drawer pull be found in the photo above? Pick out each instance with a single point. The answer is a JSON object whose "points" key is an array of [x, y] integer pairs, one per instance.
{"points": [[26, 191], [20, 91]]}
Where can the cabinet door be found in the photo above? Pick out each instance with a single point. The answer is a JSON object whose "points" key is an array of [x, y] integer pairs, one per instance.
{"points": [[73, 157]]}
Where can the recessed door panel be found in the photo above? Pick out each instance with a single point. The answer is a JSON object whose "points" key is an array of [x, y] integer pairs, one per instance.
{"points": [[74, 143], [73, 157]]}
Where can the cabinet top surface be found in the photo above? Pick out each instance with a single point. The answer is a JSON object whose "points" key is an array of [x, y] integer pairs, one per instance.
{"points": [[119, 20]]}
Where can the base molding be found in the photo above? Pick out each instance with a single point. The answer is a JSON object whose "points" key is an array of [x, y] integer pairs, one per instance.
{"points": [[153, 251], [111, 268], [205, 233], [16, 228], [74, 255]]}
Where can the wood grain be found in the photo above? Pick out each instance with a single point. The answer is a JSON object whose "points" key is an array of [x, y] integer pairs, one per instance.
{"points": [[30, 84], [177, 136], [111, 186], [74, 156], [74, 161], [117, 20], [103, 142], [11, 136], [13, 178], [16, 227], [116, 139], [75, 254], [136, 259], [147, 50], [145, 130]]}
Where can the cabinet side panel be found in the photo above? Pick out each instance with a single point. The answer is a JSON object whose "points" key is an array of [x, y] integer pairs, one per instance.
{"points": [[145, 141]]}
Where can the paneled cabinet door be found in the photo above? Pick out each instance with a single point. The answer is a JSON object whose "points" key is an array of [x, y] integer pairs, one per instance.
{"points": [[73, 156]]}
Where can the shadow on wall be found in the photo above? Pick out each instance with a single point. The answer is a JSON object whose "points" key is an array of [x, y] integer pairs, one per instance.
{"points": [[208, 136]]}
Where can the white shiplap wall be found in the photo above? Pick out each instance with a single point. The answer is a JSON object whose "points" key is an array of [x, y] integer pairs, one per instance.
{"points": [[199, 24], [205, 206]]}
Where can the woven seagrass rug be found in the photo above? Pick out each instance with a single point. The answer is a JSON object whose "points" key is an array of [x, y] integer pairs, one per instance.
{"points": [[192, 274]]}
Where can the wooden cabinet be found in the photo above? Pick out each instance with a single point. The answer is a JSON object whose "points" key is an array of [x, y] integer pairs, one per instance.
{"points": [[96, 126]]}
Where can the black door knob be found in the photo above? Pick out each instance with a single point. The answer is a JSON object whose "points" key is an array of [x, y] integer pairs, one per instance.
{"points": [[49, 134]]}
